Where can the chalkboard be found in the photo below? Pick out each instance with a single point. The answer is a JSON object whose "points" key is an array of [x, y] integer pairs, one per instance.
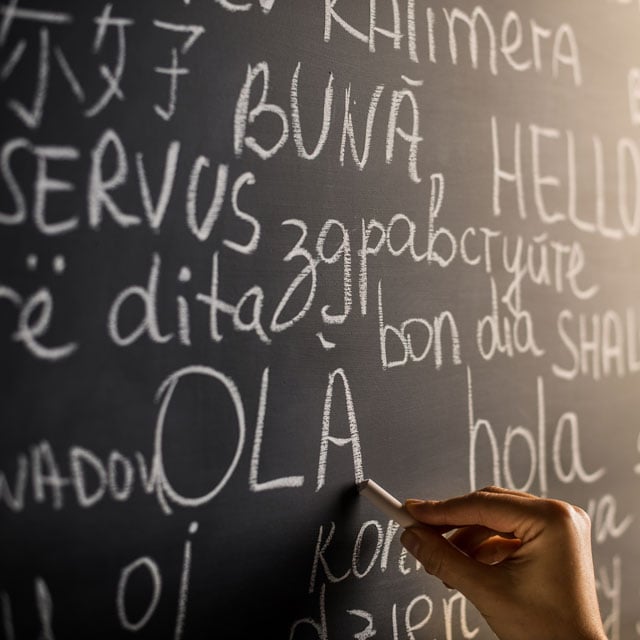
{"points": [[254, 251]]}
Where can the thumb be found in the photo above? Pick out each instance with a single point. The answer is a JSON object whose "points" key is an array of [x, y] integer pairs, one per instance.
{"points": [[496, 549], [441, 559]]}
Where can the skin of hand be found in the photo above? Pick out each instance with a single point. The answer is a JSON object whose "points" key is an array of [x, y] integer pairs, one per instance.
{"points": [[524, 562]]}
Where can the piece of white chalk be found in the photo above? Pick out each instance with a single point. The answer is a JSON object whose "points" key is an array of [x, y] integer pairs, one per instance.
{"points": [[389, 505]]}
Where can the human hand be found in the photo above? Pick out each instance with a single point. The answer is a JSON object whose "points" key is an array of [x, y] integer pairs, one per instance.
{"points": [[524, 562]]}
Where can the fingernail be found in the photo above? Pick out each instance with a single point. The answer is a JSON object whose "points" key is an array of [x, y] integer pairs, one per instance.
{"points": [[413, 505], [411, 542]]}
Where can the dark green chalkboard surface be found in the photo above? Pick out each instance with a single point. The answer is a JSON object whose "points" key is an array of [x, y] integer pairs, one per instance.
{"points": [[252, 252]]}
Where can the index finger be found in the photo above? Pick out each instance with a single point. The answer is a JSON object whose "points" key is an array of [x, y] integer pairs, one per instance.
{"points": [[504, 512]]}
